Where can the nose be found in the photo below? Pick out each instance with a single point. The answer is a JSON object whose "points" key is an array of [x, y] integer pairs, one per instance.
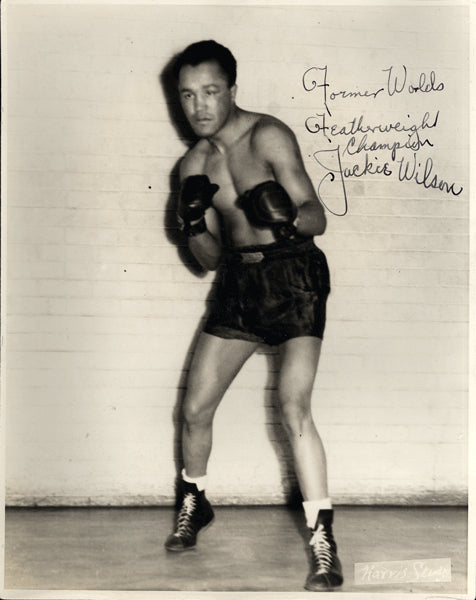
{"points": [[199, 103]]}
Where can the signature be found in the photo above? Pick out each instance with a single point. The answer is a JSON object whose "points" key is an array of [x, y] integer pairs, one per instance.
{"points": [[408, 170]]}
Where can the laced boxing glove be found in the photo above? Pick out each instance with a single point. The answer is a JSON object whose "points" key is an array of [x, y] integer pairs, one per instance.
{"points": [[269, 205], [195, 197]]}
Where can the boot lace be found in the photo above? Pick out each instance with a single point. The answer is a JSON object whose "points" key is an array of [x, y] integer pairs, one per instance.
{"points": [[184, 519], [322, 550]]}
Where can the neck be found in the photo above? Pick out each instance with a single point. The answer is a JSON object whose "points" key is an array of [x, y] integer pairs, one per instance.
{"points": [[229, 133]]}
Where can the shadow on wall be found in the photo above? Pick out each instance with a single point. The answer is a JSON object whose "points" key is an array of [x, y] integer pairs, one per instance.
{"points": [[176, 237], [185, 134]]}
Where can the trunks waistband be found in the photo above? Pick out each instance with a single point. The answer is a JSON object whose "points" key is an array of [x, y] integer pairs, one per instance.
{"points": [[258, 253]]}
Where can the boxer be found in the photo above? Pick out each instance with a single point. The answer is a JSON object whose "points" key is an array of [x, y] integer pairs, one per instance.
{"points": [[248, 209]]}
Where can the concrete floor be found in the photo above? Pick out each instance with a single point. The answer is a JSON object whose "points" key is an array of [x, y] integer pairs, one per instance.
{"points": [[247, 549]]}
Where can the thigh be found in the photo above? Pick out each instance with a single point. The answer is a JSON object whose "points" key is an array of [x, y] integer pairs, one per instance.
{"points": [[299, 360], [215, 364]]}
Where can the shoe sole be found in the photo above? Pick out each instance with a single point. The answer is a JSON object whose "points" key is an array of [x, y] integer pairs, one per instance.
{"points": [[322, 588], [194, 547]]}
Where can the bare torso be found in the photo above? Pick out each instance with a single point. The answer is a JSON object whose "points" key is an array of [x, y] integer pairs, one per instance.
{"points": [[235, 169]]}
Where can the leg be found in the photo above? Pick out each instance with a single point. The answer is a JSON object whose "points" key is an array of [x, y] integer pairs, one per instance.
{"points": [[215, 364], [299, 359]]}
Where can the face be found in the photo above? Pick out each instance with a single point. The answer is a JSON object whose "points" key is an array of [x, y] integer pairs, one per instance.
{"points": [[205, 97]]}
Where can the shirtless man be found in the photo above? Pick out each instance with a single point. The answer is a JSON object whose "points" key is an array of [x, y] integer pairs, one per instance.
{"points": [[248, 208]]}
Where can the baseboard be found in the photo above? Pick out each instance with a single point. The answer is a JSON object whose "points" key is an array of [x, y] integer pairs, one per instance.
{"points": [[440, 498]]}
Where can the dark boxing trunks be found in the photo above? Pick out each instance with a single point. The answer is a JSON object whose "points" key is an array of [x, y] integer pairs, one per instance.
{"points": [[271, 293]]}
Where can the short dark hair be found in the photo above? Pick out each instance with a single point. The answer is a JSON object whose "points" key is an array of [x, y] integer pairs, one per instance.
{"points": [[207, 50]]}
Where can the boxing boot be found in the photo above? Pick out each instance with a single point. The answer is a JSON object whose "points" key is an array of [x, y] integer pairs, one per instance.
{"points": [[194, 514], [326, 572]]}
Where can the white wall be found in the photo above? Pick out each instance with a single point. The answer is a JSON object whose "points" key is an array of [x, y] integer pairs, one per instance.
{"points": [[102, 310]]}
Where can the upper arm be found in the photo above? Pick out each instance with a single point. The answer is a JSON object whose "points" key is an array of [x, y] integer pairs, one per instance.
{"points": [[277, 146]]}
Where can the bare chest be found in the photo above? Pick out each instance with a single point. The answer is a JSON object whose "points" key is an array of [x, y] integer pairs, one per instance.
{"points": [[238, 170]]}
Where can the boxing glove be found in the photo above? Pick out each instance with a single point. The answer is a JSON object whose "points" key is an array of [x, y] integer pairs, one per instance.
{"points": [[269, 205], [195, 197]]}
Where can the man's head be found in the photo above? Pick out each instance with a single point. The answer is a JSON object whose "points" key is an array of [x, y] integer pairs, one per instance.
{"points": [[206, 75], [207, 51]]}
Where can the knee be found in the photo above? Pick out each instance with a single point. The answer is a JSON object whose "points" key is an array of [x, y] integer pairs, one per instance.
{"points": [[296, 415], [195, 414]]}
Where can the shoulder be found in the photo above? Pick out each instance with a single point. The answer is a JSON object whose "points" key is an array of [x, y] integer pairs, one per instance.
{"points": [[268, 128], [271, 134], [193, 162]]}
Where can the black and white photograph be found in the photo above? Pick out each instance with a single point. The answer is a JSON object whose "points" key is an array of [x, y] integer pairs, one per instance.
{"points": [[236, 348]]}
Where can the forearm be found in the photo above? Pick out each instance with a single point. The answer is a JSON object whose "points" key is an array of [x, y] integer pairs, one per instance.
{"points": [[311, 219], [206, 249]]}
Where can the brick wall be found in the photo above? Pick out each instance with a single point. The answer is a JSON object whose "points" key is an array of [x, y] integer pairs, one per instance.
{"points": [[103, 303]]}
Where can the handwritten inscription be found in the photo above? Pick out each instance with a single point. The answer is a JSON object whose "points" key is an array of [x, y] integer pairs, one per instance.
{"points": [[426, 83], [360, 141], [397, 82]]}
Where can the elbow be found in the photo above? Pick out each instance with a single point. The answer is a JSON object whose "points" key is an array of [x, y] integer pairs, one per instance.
{"points": [[311, 219], [207, 255], [322, 225], [317, 227], [319, 222], [209, 264]]}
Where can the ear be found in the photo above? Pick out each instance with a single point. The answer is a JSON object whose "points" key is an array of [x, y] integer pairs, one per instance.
{"points": [[233, 91]]}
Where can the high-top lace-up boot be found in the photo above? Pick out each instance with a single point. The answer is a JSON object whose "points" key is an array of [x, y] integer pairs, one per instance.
{"points": [[326, 572], [194, 514]]}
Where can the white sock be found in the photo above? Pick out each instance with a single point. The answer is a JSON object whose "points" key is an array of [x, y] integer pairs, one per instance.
{"points": [[200, 482], [312, 508]]}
